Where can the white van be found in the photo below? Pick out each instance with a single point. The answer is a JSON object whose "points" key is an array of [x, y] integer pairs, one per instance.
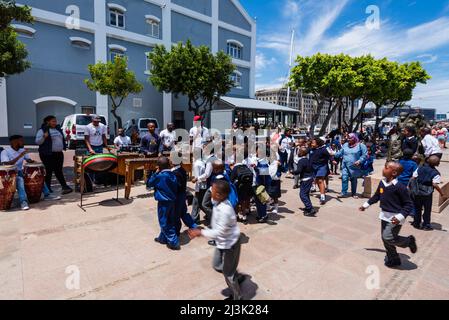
{"points": [[74, 128], [140, 126]]}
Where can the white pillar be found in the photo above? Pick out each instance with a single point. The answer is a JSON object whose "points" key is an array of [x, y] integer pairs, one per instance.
{"points": [[101, 53], [252, 73], [215, 18], [166, 38], [3, 109]]}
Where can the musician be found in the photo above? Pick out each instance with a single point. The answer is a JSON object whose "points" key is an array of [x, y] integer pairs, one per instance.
{"points": [[151, 142], [122, 140], [16, 155], [168, 138], [95, 136]]}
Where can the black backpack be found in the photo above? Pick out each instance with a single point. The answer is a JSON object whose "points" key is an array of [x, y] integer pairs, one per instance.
{"points": [[242, 177]]}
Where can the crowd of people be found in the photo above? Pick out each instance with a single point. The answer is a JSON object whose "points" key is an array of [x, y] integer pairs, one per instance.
{"points": [[248, 176]]}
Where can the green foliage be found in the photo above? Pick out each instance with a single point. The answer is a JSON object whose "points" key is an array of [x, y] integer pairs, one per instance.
{"points": [[12, 52], [333, 77], [193, 72], [114, 80]]}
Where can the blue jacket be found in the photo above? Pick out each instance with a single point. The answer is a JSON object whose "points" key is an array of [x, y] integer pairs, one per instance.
{"points": [[165, 186], [352, 155], [410, 167]]}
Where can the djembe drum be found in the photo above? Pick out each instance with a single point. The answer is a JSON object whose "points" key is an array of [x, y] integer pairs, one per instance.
{"points": [[8, 176], [34, 179]]}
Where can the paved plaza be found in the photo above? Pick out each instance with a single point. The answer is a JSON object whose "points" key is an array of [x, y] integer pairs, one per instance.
{"points": [[337, 255]]}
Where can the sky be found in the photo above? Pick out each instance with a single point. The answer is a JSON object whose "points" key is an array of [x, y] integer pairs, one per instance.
{"points": [[401, 30]]}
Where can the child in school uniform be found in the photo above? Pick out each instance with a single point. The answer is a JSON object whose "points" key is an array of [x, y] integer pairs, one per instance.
{"points": [[306, 174], [429, 177], [181, 201], [274, 188], [165, 190], [263, 178], [396, 205], [319, 157], [409, 166], [226, 233]]}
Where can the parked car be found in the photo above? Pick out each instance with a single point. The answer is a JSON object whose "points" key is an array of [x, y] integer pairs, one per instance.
{"points": [[139, 126], [74, 128]]}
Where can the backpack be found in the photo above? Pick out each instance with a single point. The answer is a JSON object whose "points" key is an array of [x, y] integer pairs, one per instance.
{"points": [[418, 189], [262, 194], [233, 196], [244, 177]]}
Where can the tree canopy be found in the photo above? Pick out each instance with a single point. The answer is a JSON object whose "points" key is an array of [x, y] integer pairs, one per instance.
{"points": [[114, 80], [193, 72], [334, 77], [12, 52]]}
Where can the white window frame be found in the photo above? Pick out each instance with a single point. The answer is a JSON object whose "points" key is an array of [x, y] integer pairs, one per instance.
{"points": [[117, 10], [236, 77], [154, 23], [148, 65], [75, 40], [24, 31], [116, 50], [234, 48]]}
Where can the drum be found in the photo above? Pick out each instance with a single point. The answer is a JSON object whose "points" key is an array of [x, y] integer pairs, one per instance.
{"points": [[8, 176], [100, 163], [34, 179]]}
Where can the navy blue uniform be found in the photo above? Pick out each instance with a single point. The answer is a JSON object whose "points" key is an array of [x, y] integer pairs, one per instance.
{"points": [[305, 171], [181, 199], [165, 191]]}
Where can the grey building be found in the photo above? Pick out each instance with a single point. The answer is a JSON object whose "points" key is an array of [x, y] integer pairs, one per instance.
{"points": [[68, 35], [305, 103]]}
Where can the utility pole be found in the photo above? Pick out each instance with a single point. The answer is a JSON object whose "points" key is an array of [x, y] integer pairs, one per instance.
{"points": [[290, 66]]}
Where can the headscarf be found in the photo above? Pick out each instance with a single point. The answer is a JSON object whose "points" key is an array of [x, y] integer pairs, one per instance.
{"points": [[353, 136]]}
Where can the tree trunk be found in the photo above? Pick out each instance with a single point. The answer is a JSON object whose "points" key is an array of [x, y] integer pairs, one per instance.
{"points": [[117, 117], [316, 116], [378, 120], [330, 114]]}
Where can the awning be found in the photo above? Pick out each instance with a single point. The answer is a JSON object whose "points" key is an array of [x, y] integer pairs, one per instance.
{"points": [[253, 104]]}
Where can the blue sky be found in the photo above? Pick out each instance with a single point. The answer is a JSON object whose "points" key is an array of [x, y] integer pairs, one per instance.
{"points": [[410, 30]]}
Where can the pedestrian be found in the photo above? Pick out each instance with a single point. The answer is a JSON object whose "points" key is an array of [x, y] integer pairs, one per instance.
{"points": [[430, 144], [410, 141], [168, 139], [242, 177], [52, 145], [396, 205], [319, 158], [409, 166], [425, 180], [165, 188], [306, 175], [226, 233]]}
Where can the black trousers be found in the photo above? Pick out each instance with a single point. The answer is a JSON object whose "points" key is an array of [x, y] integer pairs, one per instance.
{"points": [[53, 164], [423, 202]]}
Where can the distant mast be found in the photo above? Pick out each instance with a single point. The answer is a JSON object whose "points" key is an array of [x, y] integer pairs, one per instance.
{"points": [[290, 66]]}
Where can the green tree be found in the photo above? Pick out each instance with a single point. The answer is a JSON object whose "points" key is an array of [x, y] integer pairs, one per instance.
{"points": [[114, 80], [12, 52], [193, 72]]}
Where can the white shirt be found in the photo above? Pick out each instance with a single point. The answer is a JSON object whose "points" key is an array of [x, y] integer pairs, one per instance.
{"points": [[199, 135], [431, 145], [208, 171], [284, 143], [122, 141], [225, 230], [168, 138], [10, 154], [96, 134], [199, 167], [385, 215]]}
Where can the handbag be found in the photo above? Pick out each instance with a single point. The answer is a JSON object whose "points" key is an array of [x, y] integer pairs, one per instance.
{"points": [[419, 190]]}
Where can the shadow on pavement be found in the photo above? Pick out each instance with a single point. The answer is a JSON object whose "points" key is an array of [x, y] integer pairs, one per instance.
{"points": [[248, 288]]}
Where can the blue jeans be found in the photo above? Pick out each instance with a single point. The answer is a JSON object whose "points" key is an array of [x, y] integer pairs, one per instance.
{"points": [[345, 178], [261, 209], [20, 186], [304, 194]]}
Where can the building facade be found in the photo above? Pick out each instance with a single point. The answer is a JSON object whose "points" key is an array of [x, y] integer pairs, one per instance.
{"points": [[305, 103], [68, 35]]}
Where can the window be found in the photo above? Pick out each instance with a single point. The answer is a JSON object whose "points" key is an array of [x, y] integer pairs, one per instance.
{"points": [[235, 49], [116, 15], [153, 26], [23, 31], [148, 65], [80, 43], [116, 51], [236, 77], [88, 110]]}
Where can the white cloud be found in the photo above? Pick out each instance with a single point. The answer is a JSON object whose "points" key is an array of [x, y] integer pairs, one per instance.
{"points": [[435, 94], [262, 62], [427, 58]]}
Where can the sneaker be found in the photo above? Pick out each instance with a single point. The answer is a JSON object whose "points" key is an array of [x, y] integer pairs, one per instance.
{"points": [[343, 196], [66, 190], [174, 248], [322, 202], [241, 278], [24, 206], [311, 213], [51, 197], [413, 247], [212, 243], [417, 226], [275, 209], [295, 187], [159, 241], [427, 228], [393, 263], [262, 220]]}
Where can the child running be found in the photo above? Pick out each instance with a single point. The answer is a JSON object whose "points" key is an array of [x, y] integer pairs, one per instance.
{"points": [[396, 205], [305, 172]]}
